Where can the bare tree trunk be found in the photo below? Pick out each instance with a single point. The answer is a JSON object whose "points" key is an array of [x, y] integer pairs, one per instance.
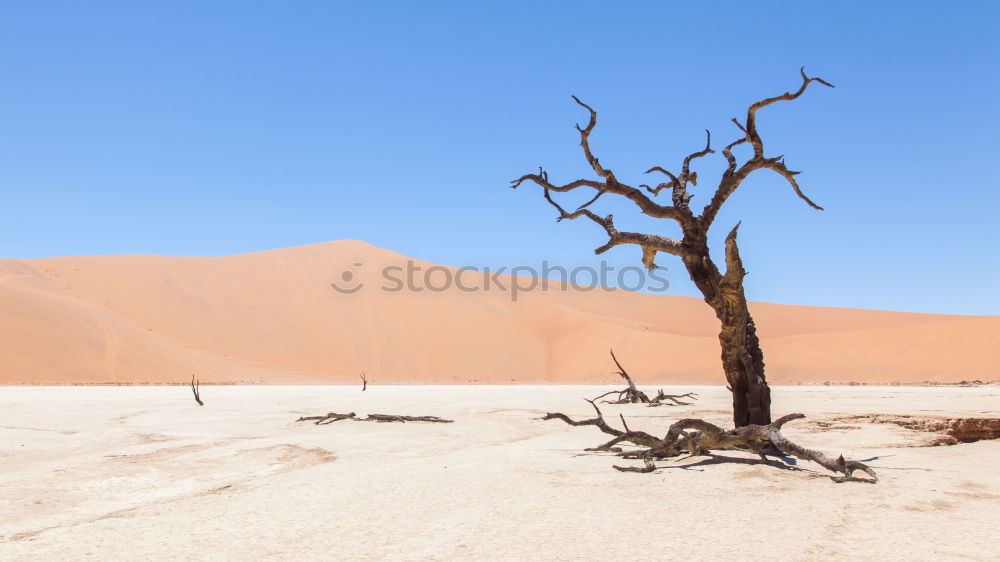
{"points": [[742, 357], [743, 362]]}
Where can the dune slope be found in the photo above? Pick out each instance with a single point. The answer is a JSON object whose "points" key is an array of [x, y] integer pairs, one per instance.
{"points": [[274, 317]]}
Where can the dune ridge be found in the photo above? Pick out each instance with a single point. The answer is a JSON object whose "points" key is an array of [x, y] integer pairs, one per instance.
{"points": [[273, 317]]}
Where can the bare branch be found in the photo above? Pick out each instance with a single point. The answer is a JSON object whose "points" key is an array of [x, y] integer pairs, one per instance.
{"points": [[678, 184], [638, 437], [778, 166], [692, 178], [734, 175], [728, 151], [650, 243], [610, 183], [751, 126], [645, 204], [659, 399], [585, 142]]}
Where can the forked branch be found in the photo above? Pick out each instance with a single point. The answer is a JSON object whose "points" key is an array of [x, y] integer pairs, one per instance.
{"points": [[679, 211], [638, 437], [734, 175]]}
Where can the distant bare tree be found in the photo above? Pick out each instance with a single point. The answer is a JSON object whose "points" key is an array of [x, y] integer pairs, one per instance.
{"points": [[742, 358], [196, 389], [632, 395]]}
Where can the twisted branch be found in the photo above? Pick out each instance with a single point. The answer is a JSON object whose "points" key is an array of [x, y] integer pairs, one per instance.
{"points": [[699, 437], [694, 228], [733, 177], [638, 437], [650, 243]]}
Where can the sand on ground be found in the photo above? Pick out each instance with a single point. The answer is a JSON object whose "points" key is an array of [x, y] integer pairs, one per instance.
{"points": [[133, 473]]}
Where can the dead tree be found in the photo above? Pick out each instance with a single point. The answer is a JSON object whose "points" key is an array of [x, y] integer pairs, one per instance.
{"points": [[632, 395], [698, 437], [742, 359], [364, 382], [196, 389]]}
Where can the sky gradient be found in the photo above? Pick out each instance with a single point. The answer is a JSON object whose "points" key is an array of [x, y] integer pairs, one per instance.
{"points": [[213, 128]]}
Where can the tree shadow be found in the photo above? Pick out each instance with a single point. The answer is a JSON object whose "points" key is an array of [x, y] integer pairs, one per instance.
{"points": [[784, 463]]}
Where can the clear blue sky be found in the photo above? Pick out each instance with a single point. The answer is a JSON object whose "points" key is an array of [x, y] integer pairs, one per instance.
{"points": [[211, 128]]}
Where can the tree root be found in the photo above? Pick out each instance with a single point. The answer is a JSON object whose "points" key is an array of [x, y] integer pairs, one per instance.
{"points": [[699, 436], [381, 418]]}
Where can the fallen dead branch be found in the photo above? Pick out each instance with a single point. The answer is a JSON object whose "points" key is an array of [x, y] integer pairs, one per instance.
{"points": [[698, 437], [658, 400], [381, 418], [329, 418]]}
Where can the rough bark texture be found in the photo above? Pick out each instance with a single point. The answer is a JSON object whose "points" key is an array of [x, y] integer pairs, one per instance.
{"points": [[742, 358]]}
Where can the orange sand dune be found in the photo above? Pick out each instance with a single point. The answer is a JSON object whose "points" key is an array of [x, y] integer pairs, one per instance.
{"points": [[273, 317]]}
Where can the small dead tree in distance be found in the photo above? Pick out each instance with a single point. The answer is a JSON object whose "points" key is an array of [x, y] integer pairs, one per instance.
{"points": [[742, 358], [632, 395], [196, 389], [364, 382]]}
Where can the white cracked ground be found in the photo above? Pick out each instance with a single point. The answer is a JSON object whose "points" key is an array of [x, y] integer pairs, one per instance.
{"points": [[126, 473]]}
